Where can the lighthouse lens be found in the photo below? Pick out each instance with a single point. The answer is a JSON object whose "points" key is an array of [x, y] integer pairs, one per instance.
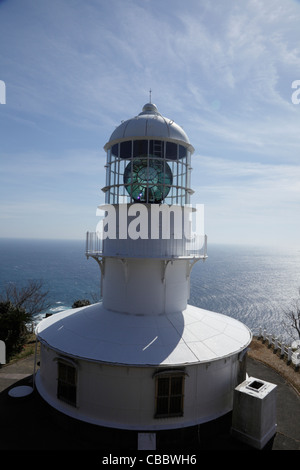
{"points": [[148, 180]]}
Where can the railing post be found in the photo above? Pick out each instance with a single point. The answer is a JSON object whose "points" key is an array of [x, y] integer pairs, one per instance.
{"points": [[270, 340], [87, 243], [282, 350], [289, 355], [297, 363]]}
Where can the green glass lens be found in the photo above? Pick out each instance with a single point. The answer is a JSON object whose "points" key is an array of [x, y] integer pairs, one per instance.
{"points": [[148, 180]]}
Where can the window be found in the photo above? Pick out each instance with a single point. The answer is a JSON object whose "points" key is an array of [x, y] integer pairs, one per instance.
{"points": [[182, 152], [66, 384], [171, 150], [140, 148], [169, 395], [115, 150], [126, 149]]}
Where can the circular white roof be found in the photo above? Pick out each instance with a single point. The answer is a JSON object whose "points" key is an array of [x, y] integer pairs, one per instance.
{"points": [[149, 123], [96, 334]]}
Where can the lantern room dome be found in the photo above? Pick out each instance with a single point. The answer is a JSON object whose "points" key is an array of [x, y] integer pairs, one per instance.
{"points": [[149, 123]]}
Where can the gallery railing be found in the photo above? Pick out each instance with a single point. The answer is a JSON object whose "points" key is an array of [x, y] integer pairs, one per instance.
{"points": [[96, 245]]}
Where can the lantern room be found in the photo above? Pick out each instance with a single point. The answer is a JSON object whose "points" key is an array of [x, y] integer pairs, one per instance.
{"points": [[148, 161]]}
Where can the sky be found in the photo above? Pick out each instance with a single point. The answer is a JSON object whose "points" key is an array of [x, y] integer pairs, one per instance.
{"points": [[224, 70]]}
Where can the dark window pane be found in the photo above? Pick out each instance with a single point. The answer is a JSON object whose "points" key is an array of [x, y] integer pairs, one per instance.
{"points": [[62, 371], [70, 376], [163, 386], [162, 406], [125, 149], [66, 384], [175, 405], [114, 150], [140, 148], [169, 400], [176, 385], [182, 151], [171, 150], [66, 393]]}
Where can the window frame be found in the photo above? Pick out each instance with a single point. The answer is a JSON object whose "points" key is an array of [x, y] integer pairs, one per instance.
{"points": [[67, 389], [176, 155], [167, 411]]}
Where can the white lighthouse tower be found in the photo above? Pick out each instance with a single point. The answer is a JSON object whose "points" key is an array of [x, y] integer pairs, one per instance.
{"points": [[143, 359]]}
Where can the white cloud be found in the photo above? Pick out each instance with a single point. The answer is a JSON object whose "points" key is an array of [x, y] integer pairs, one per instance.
{"points": [[282, 180], [248, 201], [93, 58], [222, 69]]}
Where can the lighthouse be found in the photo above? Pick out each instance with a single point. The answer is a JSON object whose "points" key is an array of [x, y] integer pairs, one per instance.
{"points": [[143, 359]]}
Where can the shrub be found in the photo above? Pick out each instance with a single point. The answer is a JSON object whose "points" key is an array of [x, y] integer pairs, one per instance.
{"points": [[81, 303], [13, 327]]}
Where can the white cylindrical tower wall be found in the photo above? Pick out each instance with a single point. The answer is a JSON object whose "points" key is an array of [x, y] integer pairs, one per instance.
{"points": [[146, 258], [145, 286]]}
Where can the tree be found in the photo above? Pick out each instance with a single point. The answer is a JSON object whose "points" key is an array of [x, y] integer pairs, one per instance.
{"points": [[31, 297], [81, 303], [17, 306], [291, 322], [13, 327]]}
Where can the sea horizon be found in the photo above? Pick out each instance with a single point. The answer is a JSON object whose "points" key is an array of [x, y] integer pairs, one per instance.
{"points": [[253, 284]]}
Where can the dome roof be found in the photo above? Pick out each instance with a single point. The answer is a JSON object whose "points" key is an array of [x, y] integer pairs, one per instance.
{"points": [[188, 337], [149, 123]]}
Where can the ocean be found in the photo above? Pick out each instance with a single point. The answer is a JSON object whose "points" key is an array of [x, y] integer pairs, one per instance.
{"points": [[251, 284]]}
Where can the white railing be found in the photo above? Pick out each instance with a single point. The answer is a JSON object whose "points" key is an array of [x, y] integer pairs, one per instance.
{"points": [[148, 248], [279, 346]]}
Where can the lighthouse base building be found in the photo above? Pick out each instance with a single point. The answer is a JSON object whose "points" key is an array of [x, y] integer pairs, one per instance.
{"points": [[154, 373], [143, 359]]}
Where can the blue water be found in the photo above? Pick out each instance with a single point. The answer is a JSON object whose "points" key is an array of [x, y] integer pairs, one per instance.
{"points": [[252, 284], [61, 264]]}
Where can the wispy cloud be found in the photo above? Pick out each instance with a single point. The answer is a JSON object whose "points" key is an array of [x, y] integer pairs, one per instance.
{"points": [[284, 179], [218, 48], [247, 196], [222, 69]]}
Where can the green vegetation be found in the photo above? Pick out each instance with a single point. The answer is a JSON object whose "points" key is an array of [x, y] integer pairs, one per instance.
{"points": [[17, 306], [13, 329], [81, 303], [291, 322]]}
